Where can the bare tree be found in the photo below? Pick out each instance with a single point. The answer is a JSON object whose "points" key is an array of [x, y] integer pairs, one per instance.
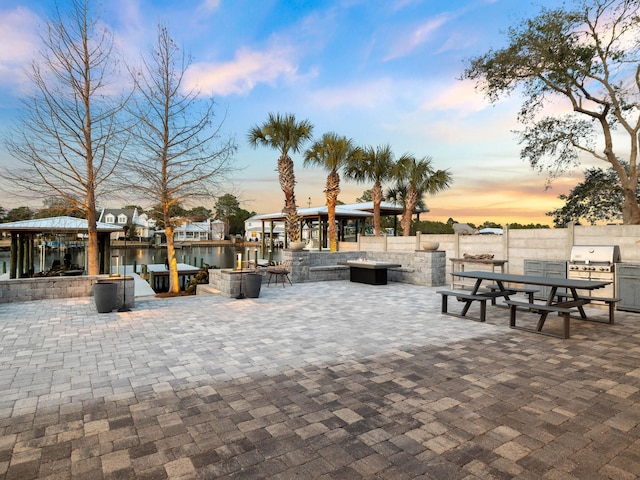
{"points": [[177, 158], [69, 140]]}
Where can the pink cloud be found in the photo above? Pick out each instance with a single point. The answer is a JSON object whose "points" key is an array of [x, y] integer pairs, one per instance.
{"points": [[241, 75]]}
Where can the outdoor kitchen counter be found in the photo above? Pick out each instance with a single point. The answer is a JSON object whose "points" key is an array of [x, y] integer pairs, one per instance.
{"points": [[461, 262], [369, 272]]}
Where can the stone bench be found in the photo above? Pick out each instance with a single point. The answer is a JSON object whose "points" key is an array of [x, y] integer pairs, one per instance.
{"points": [[328, 268], [323, 273], [402, 269]]}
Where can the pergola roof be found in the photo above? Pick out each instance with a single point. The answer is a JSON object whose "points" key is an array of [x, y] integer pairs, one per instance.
{"points": [[386, 208], [354, 210], [56, 225], [315, 212]]}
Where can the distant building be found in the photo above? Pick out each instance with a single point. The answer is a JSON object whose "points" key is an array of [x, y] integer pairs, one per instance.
{"points": [[253, 229], [199, 231], [143, 225], [189, 231]]}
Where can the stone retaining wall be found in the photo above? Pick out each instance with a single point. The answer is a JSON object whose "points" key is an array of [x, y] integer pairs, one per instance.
{"points": [[227, 281], [42, 288]]}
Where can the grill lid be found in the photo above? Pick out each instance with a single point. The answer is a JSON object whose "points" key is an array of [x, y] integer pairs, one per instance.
{"points": [[595, 254]]}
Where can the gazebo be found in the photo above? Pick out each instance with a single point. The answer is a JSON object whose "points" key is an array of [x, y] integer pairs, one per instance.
{"points": [[23, 240], [351, 219]]}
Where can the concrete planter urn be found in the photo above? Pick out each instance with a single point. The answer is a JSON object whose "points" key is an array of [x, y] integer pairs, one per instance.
{"points": [[252, 283], [297, 245], [430, 246], [105, 294]]}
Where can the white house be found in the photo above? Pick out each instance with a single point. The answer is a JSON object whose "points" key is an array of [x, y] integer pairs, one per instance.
{"points": [[253, 229], [144, 226], [198, 231]]}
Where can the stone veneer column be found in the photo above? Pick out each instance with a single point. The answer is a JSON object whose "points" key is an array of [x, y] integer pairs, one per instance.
{"points": [[299, 264]]}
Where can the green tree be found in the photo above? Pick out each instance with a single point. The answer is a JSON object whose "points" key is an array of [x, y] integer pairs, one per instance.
{"points": [[180, 156], [528, 226], [426, 226], [134, 207], [489, 224], [58, 207], [199, 214], [227, 209], [374, 165], [415, 178], [285, 134], [18, 214], [366, 196], [598, 198], [176, 211], [333, 153], [590, 56]]}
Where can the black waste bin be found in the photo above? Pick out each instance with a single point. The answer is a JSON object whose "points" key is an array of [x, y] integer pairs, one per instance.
{"points": [[105, 296]]}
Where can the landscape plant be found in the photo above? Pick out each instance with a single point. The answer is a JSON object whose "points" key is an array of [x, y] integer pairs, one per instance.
{"points": [[415, 178], [373, 165], [332, 152], [285, 134]]}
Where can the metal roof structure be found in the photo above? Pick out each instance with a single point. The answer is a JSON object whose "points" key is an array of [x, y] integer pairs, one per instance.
{"points": [[56, 225], [386, 208], [315, 212], [351, 211], [23, 235]]}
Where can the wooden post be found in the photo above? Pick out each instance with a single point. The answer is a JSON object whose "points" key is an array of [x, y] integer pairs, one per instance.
{"points": [[20, 255], [13, 261]]}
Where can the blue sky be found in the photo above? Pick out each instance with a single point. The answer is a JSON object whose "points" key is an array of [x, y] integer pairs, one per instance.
{"points": [[376, 71]]}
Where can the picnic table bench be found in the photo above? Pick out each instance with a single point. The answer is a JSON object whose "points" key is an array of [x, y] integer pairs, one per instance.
{"points": [[610, 302], [563, 309], [468, 298]]}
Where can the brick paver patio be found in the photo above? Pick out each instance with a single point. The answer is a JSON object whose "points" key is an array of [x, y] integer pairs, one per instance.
{"points": [[330, 380]]}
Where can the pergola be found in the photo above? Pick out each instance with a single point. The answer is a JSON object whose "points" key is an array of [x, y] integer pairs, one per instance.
{"points": [[23, 240], [317, 218]]}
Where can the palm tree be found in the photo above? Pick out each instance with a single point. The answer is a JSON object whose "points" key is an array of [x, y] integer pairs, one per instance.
{"points": [[285, 134], [414, 179], [332, 152], [374, 165]]}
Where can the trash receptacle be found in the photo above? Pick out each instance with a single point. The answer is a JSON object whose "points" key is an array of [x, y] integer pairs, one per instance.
{"points": [[105, 296]]}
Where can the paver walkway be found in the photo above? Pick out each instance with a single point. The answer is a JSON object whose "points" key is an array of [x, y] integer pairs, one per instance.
{"points": [[330, 380]]}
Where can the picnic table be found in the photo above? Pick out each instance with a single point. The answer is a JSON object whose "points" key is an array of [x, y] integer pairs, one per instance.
{"points": [[563, 296]]}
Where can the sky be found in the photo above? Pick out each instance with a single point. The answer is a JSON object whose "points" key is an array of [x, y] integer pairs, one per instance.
{"points": [[377, 71]]}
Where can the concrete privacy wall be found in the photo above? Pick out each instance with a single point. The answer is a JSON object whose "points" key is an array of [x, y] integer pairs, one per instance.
{"points": [[41, 288], [515, 245]]}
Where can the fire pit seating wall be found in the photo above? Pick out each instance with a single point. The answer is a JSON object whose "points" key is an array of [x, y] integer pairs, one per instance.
{"points": [[420, 267]]}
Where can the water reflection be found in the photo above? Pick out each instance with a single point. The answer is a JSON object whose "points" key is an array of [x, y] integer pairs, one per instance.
{"points": [[222, 257]]}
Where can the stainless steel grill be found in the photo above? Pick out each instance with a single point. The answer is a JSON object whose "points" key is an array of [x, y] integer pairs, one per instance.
{"points": [[594, 262], [593, 258]]}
